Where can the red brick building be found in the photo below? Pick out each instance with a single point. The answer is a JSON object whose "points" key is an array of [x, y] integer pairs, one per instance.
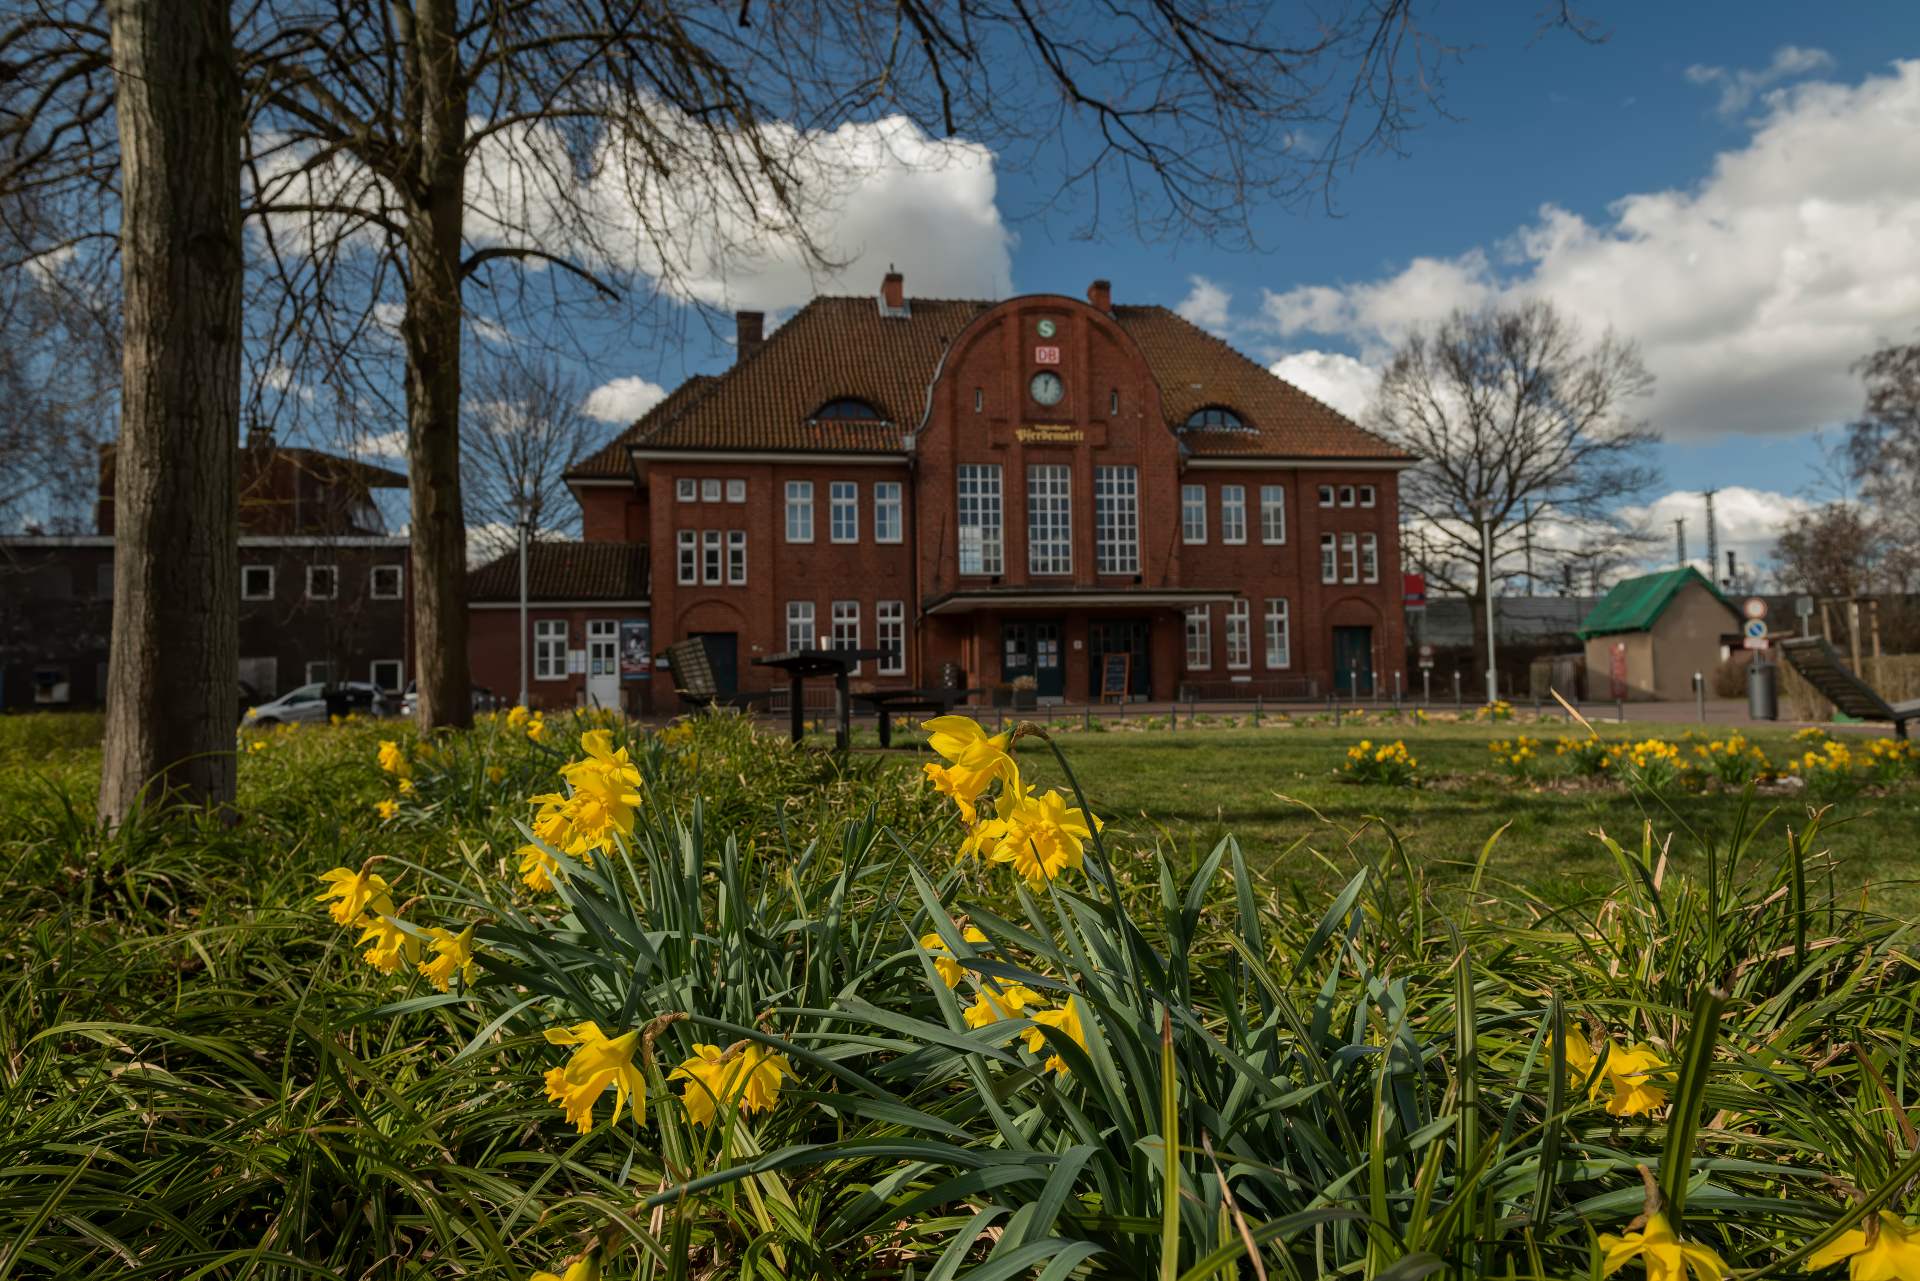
{"points": [[1011, 489]]}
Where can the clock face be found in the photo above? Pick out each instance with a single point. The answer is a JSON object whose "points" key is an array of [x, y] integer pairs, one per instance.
{"points": [[1046, 329], [1047, 387]]}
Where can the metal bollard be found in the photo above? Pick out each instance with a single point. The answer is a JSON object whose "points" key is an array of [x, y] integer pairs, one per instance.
{"points": [[1457, 702], [1700, 695], [1396, 692], [1620, 709]]}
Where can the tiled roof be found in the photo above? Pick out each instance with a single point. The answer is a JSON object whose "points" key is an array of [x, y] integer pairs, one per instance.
{"points": [[844, 347], [1635, 604], [610, 461], [565, 571]]}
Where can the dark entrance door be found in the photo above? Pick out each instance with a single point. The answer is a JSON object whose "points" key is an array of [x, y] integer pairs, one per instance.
{"points": [[1033, 649], [1353, 661], [1119, 636], [723, 651]]}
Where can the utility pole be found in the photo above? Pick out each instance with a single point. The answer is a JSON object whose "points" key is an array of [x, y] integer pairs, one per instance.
{"points": [[1713, 538], [1733, 573], [1486, 581], [1680, 539]]}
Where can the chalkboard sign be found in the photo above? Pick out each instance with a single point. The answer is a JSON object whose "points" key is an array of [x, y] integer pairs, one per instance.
{"points": [[1114, 671]]}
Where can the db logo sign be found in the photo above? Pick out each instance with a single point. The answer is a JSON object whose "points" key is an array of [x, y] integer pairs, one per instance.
{"points": [[1046, 355]]}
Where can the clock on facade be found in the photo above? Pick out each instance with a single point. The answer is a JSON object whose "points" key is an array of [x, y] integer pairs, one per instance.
{"points": [[1047, 387], [1046, 329]]}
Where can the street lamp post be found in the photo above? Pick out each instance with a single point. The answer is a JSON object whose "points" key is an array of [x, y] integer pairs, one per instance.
{"points": [[525, 529], [1486, 586]]}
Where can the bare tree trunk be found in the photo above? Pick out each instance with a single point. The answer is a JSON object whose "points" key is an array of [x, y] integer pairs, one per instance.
{"points": [[432, 331], [173, 669]]}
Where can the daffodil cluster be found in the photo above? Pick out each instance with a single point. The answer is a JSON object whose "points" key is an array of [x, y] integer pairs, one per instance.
{"points": [[1388, 763], [1497, 711], [364, 899], [1891, 759], [1039, 837], [598, 807], [1518, 756], [1830, 770], [1629, 1078], [1654, 763], [999, 1000], [1732, 759], [745, 1076]]}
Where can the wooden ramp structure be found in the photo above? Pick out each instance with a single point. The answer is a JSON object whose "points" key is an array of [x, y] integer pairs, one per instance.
{"points": [[1820, 666]]}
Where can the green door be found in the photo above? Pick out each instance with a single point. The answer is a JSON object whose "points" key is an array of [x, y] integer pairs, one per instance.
{"points": [[1353, 661]]}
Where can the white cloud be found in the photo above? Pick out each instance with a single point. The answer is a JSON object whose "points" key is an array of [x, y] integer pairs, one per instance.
{"points": [[622, 400], [1749, 523], [1740, 86], [1205, 304], [382, 445], [1339, 380], [1750, 294]]}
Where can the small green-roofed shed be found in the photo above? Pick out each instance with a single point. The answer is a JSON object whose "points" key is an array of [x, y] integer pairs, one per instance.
{"points": [[1654, 632]]}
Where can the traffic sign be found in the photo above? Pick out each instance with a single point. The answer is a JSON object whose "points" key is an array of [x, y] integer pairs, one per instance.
{"points": [[1426, 656], [1756, 629], [1804, 606], [1754, 607]]}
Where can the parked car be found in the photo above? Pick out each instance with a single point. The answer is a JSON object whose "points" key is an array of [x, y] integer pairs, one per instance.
{"points": [[318, 700], [483, 699]]}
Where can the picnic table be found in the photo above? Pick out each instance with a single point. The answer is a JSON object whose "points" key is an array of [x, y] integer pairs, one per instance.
{"points": [[886, 702], [799, 664]]}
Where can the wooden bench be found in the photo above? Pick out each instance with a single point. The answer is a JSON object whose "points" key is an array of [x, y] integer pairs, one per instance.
{"points": [[886, 702], [1820, 666], [692, 670]]}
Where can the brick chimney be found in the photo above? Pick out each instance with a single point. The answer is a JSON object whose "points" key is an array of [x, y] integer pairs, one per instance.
{"points": [[749, 327], [1100, 294], [893, 291]]}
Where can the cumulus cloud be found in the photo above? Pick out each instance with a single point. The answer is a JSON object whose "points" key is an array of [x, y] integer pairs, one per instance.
{"points": [[1333, 377], [1749, 522], [622, 400], [1205, 304], [1750, 294], [1740, 86]]}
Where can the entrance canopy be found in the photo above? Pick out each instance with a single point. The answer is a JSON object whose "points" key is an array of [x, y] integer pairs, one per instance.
{"points": [[1003, 599]]}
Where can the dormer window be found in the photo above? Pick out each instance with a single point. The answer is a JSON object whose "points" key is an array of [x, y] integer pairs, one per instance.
{"points": [[1214, 418], [848, 409]]}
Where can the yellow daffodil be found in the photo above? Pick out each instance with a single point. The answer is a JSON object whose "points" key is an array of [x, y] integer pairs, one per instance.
{"points": [[994, 1006], [585, 1268], [537, 728], [391, 945], [1892, 1255], [974, 758], [387, 809], [943, 782], [393, 760], [257, 745], [599, 1062], [1663, 1255], [1043, 838], [406, 787], [357, 892], [601, 807], [537, 868], [1065, 1020], [516, 716], [746, 1074], [1580, 1056], [453, 954], [1627, 1079], [495, 773], [950, 969]]}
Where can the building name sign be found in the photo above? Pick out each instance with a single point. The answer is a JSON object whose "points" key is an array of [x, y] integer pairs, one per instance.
{"points": [[1046, 355], [1049, 434]]}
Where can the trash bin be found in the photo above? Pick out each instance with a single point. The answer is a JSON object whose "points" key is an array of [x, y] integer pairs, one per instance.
{"points": [[1763, 691]]}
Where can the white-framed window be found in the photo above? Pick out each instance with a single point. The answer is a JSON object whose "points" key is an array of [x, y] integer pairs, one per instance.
{"points": [[1273, 514], [888, 526], [319, 672], [1193, 513], [978, 517], [1233, 513], [387, 674], [550, 649], [384, 582], [710, 489], [736, 491], [1346, 496], [689, 547], [843, 511], [846, 627], [800, 633], [1350, 558], [1367, 495], [686, 490], [1329, 559], [1199, 638], [1279, 642], [1049, 518], [1369, 558], [1326, 495], [256, 582], [712, 557], [1239, 634], [323, 582], [890, 633], [1116, 520], [736, 558], [799, 511]]}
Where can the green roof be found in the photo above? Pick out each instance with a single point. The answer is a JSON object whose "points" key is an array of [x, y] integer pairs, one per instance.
{"points": [[1634, 604]]}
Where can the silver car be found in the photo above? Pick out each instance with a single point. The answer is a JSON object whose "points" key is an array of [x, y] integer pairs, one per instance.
{"points": [[309, 703]]}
